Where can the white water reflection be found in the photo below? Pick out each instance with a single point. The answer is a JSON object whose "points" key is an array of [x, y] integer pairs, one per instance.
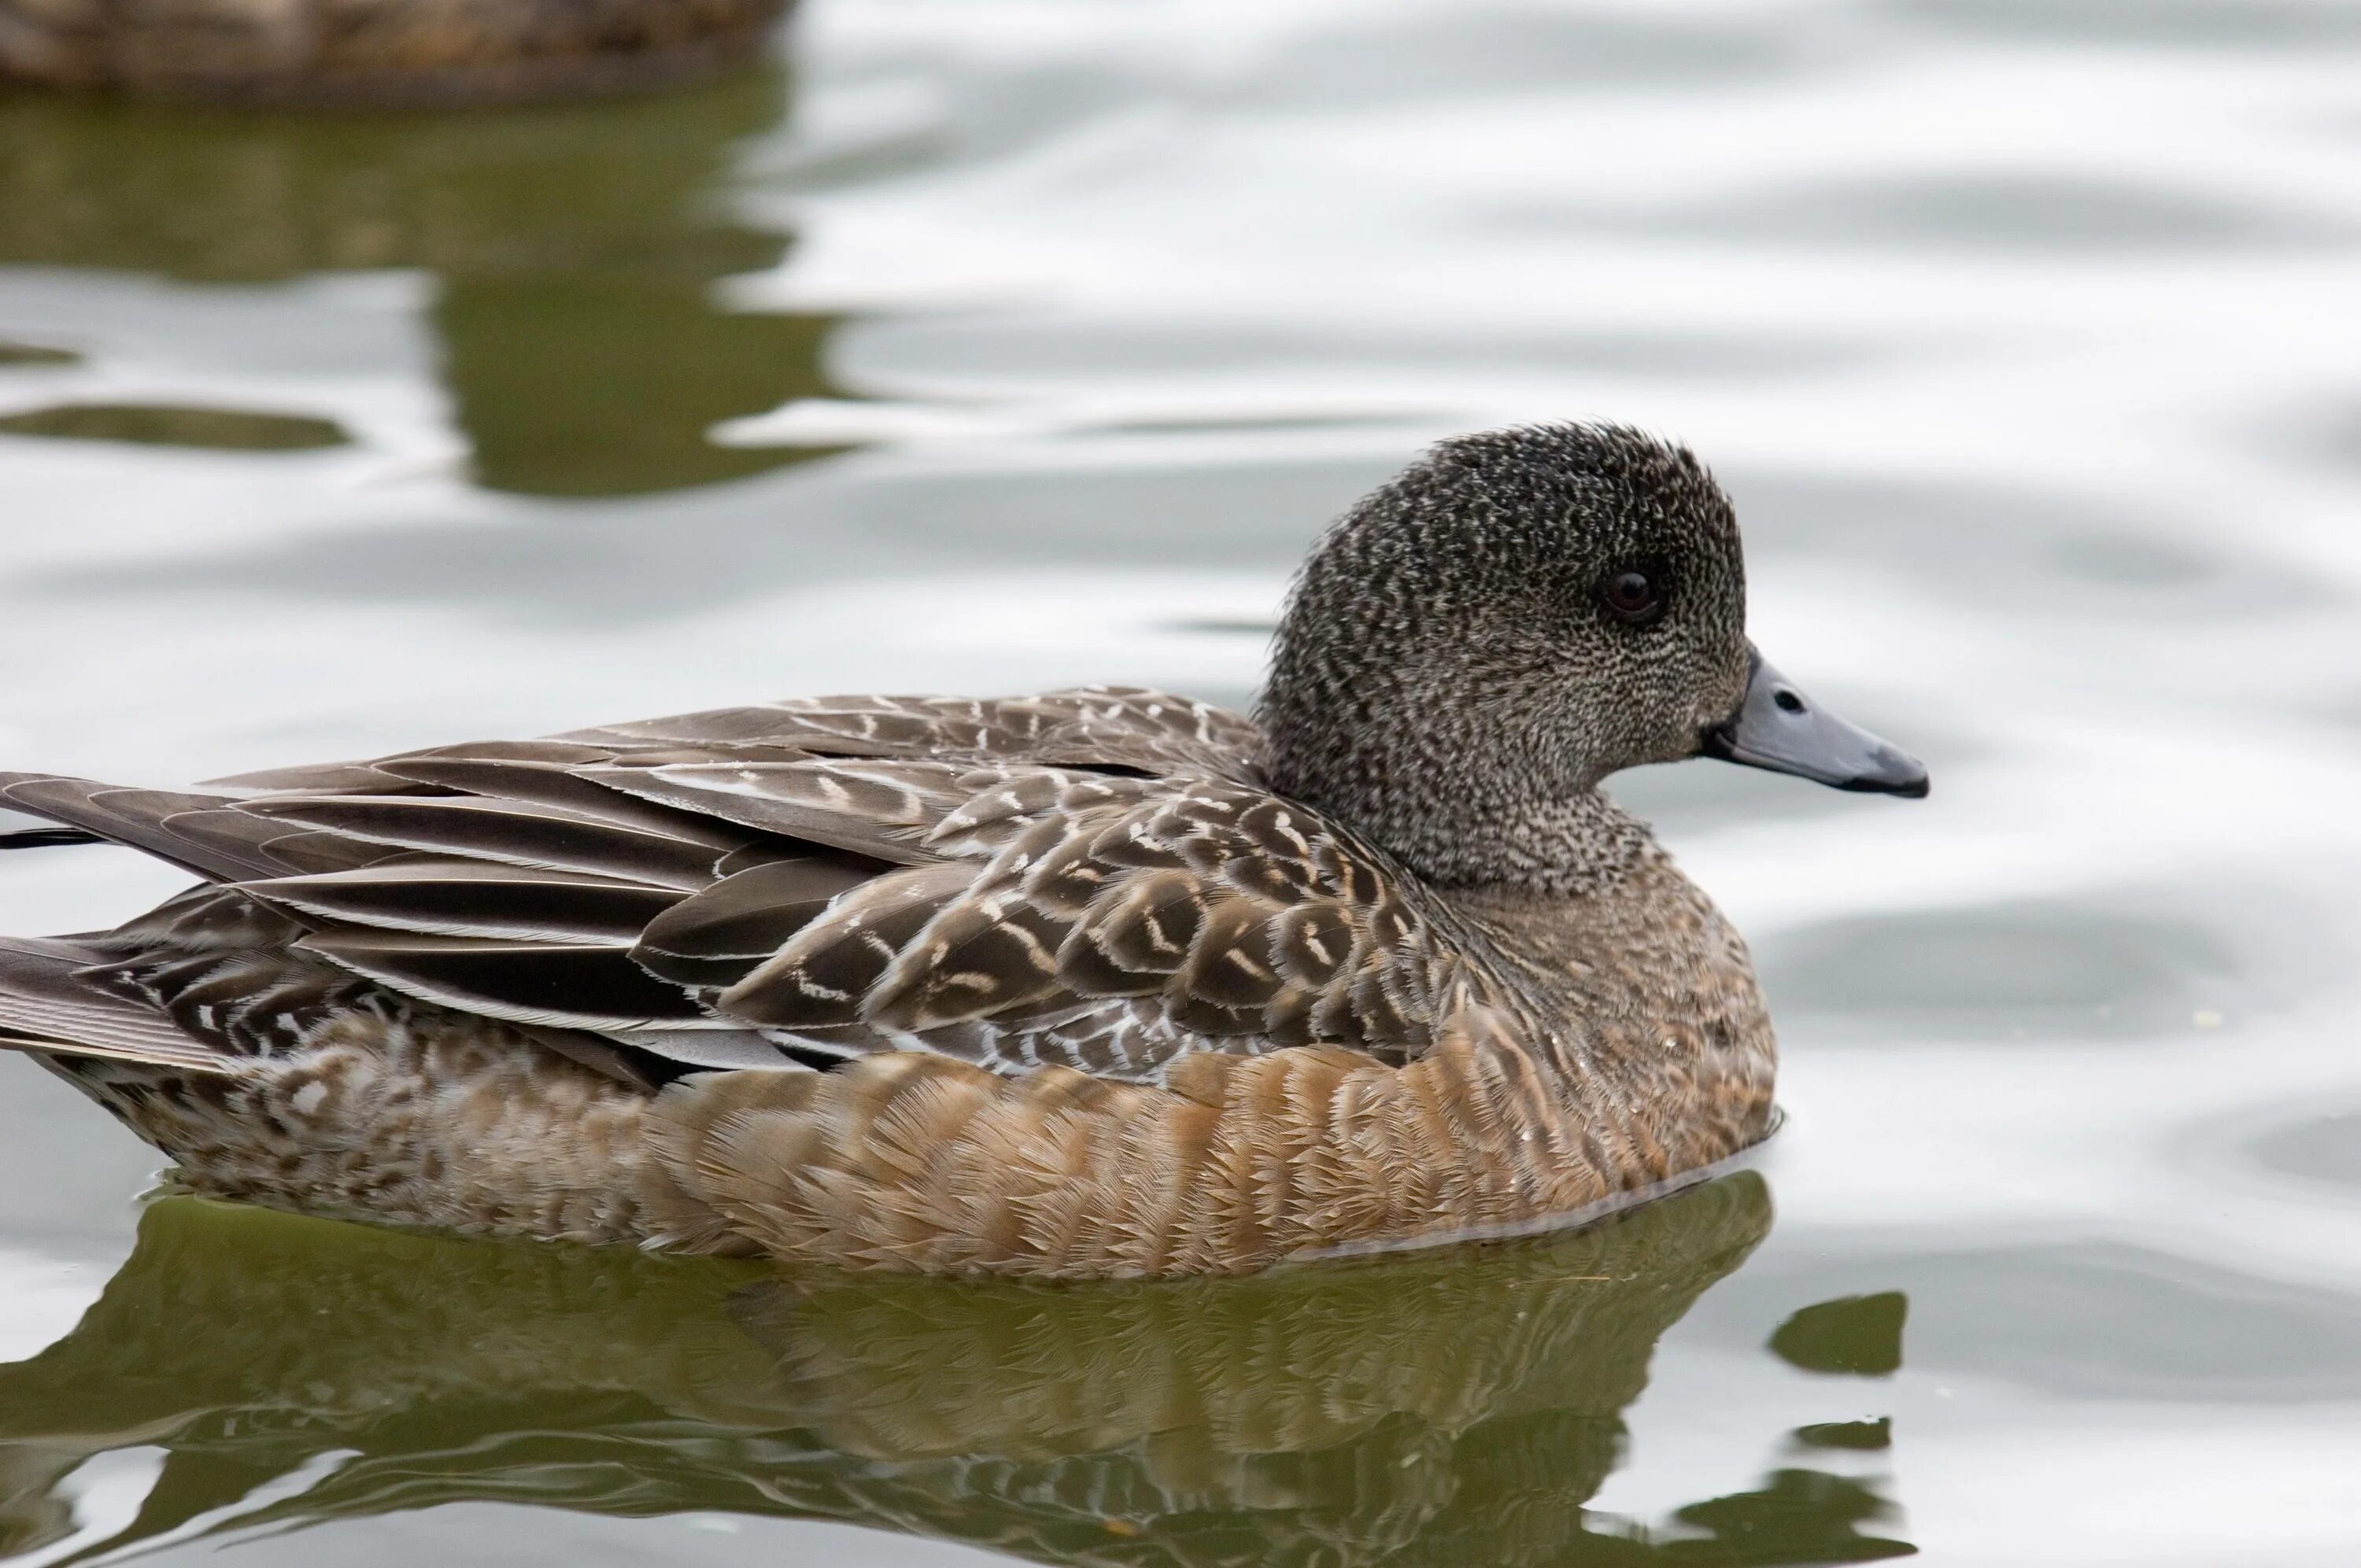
{"points": [[2023, 335]]}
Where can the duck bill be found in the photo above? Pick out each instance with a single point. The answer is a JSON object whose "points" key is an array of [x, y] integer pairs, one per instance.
{"points": [[1778, 727]]}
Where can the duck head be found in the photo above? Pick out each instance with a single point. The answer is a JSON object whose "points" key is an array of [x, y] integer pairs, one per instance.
{"points": [[1478, 642]]}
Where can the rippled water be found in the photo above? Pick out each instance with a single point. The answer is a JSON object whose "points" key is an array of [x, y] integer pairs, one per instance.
{"points": [[986, 347]]}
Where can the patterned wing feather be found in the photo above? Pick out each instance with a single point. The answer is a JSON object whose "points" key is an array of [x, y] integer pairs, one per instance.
{"points": [[1125, 727], [1089, 878], [870, 808], [711, 941], [1154, 917]]}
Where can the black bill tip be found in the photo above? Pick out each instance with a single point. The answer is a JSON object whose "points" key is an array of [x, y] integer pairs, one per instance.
{"points": [[1778, 727], [1891, 772]]}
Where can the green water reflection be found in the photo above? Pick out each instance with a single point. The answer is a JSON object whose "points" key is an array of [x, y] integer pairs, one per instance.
{"points": [[574, 251], [162, 424], [1856, 1334], [14, 353], [1454, 1407]]}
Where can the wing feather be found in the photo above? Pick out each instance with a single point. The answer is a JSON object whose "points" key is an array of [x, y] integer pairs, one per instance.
{"points": [[575, 986], [825, 972], [538, 781], [1113, 902], [545, 838], [141, 819], [448, 898], [716, 937], [1092, 878], [876, 809]]}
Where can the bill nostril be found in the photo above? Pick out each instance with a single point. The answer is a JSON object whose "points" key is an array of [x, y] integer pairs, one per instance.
{"points": [[1787, 701]]}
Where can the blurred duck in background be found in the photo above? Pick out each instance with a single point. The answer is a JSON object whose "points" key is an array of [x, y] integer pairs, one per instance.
{"points": [[572, 251], [377, 51]]}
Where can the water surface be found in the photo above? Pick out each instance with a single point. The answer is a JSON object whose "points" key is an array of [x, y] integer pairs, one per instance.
{"points": [[989, 348]]}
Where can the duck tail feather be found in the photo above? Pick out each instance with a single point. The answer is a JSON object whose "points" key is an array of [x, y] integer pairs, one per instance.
{"points": [[49, 1007], [46, 838]]}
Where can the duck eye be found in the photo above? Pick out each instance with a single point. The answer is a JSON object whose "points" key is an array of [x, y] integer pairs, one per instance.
{"points": [[1633, 594]]}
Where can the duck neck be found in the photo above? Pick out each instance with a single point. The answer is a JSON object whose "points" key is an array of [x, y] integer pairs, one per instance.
{"points": [[1379, 733], [1579, 845], [1461, 831]]}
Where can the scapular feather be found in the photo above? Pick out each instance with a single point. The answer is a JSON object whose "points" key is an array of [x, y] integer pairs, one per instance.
{"points": [[716, 937]]}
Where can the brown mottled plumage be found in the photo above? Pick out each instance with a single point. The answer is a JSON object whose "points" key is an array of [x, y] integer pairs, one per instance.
{"points": [[1097, 982]]}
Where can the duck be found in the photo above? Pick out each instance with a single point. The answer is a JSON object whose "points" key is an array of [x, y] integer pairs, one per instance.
{"points": [[380, 53], [1095, 983]]}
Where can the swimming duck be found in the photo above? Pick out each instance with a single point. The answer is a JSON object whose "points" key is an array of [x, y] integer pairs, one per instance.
{"points": [[1100, 982], [377, 51]]}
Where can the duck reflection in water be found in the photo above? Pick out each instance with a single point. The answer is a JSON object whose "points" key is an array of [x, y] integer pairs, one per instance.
{"points": [[1454, 1405], [573, 249]]}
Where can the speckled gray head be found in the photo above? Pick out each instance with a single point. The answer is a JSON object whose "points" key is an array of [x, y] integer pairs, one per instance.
{"points": [[1478, 642]]}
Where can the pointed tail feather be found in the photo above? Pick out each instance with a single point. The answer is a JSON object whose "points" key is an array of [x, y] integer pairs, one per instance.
{"points": [[46, 1007], [46, 838]]}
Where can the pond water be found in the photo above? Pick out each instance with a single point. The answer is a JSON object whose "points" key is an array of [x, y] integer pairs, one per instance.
{"points": [[991, 347]]}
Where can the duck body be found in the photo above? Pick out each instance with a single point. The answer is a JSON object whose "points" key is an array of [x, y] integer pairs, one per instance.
{"points": [[378, 52], [1069, 985]]}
